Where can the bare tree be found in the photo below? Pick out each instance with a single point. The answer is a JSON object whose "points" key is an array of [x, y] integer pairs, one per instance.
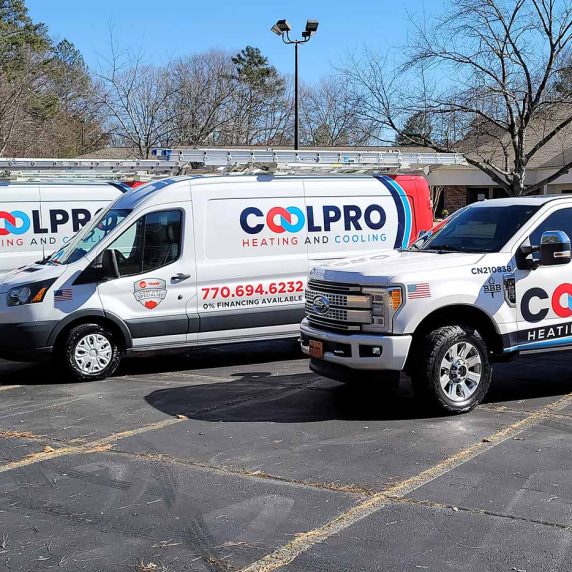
{"points": [[203, 92], [485, 76], [139, 99], [331, 115]]}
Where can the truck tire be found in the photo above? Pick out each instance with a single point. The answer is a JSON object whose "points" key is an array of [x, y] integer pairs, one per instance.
{"points": [[452, 369], [89, 353]]}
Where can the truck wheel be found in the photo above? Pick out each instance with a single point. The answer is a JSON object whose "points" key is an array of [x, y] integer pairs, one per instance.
{"points": [[90, 352], [453, 369]]}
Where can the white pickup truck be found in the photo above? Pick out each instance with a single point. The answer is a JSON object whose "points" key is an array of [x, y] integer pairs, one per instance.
{"points": [[491, 283]]}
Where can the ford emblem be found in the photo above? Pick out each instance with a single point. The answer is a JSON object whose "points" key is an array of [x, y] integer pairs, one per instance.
{"points": [[321, 305]]}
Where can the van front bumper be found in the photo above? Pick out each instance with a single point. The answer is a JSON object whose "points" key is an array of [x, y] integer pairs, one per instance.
{"points": [[26, 341], [355, 351]]}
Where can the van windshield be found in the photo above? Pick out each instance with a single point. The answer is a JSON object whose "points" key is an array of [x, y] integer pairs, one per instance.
{"points": [[479, 229], [88, 237]]}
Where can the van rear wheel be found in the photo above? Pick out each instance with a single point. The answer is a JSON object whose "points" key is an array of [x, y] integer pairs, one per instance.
{"points": [[453, 370], [90, 352]]}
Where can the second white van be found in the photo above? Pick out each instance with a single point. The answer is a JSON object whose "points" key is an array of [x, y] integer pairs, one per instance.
{"points": [[37, 219]]}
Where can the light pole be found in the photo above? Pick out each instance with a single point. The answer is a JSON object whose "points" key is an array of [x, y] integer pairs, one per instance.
{"points": [[282, 29]]}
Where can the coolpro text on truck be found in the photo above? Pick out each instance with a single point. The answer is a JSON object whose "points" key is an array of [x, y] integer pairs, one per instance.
{"points": [[493, 282]]}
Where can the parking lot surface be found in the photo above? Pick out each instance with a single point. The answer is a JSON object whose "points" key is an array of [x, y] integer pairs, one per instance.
{"points": [[241, 459]]}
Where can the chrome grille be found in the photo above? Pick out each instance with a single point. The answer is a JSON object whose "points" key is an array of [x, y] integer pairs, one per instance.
{"points": [[346, 308], [335, 299]]}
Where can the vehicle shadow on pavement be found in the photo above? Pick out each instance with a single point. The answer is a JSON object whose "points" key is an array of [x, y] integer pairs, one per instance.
{"points": [[259, 396], [18, 373]]}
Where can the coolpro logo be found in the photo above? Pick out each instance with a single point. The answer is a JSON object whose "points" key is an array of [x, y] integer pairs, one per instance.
{"points": [[15, 222], [18, 228], [293, 219], [534, 305]]}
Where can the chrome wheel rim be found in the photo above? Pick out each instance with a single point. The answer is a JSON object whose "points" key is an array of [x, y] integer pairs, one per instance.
{"points": [[461, 371], [93, 353]]}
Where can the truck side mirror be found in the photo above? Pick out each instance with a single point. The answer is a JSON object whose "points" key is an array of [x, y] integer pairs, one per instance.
{"points": [[554, 248], [525, 256], [109, 266]]}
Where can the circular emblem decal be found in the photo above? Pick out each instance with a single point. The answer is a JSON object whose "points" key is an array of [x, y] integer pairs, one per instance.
{"points": [[321, 305]]}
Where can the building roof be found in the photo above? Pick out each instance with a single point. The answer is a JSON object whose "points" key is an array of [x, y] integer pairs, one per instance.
{"points": [[487, 141]]}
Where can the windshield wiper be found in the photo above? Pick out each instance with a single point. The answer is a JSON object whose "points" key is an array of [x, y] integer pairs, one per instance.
{"points": [[448, 248]]}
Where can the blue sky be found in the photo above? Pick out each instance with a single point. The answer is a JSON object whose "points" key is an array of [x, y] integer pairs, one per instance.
{"points": [[168, 29]]}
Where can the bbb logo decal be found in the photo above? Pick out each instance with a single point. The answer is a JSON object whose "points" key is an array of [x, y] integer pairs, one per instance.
{"points": [[15, 222], [150, 292], [560, 302]]}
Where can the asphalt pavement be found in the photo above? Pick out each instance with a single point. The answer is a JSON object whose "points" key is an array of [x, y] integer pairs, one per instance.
{"points": [[240, 458]]}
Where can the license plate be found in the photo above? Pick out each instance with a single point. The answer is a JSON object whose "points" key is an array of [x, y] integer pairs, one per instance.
{"points": [[316, 349]]}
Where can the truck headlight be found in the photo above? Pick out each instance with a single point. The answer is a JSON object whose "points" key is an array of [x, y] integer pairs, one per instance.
{"points": [[385, 304], [29, 293]]}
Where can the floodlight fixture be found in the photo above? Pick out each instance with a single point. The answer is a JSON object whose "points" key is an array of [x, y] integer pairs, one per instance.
{"points": [[312, 26], [283, 26]]}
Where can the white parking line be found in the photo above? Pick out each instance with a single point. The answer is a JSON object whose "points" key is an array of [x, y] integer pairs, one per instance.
{"points": [[303, 542]]}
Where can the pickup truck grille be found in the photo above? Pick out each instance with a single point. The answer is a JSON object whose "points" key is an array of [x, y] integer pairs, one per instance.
{"points": [[339, 307]]}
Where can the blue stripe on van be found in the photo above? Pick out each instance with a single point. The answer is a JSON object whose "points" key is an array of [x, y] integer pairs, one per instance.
{"points": [[404, 215]]}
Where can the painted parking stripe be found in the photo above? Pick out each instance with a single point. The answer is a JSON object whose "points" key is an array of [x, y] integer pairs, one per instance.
{"points": [[303, 542]]}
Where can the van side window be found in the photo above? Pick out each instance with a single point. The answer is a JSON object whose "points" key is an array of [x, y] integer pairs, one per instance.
{"points": [[559, 220], [150, 243]]}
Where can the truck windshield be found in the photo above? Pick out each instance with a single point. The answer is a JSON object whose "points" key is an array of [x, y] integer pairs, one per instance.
{"points": [[479, 229], [88, 237]]}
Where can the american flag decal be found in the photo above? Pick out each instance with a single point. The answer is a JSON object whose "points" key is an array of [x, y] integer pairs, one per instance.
{"points": [[63, 295], [421, 290]]}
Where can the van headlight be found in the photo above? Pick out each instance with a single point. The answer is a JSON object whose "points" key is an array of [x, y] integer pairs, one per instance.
{"points": [[29, 293], [385, 304]]}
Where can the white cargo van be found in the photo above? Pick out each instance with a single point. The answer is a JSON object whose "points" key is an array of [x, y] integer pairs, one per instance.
{"points": [[199, 260], [37, 219]]}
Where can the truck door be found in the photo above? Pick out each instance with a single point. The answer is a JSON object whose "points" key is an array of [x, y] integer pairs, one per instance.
{"points": [[544, 295], [155, 295]]}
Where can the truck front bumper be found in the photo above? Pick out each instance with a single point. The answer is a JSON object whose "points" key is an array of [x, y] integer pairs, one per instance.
{"points": [[356, 351]]}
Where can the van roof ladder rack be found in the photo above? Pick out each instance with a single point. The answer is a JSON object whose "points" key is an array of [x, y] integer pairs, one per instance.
{"points": [[89, 169], [315, 161], [169, 162]]}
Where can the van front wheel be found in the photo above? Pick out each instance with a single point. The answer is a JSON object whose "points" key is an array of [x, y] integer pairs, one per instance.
{"points": [[90, 352], [453, 370]]}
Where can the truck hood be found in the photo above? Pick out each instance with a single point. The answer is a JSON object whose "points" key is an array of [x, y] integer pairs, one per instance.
{"points": [[28, 274], [380, 269]]}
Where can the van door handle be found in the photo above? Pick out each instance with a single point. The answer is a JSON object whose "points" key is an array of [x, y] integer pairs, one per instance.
{"points": [[179, 278]]}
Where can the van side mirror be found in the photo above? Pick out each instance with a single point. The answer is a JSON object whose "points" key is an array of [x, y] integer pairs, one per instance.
{"points": [[554, 248], [109, 266]]}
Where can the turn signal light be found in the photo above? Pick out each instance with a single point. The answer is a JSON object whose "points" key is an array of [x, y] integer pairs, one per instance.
{"points": [[40, 295], [395, 298]]}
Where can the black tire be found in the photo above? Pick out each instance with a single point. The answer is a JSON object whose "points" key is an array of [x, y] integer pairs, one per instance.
{"points": [[427, 371], [67, 355]]}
